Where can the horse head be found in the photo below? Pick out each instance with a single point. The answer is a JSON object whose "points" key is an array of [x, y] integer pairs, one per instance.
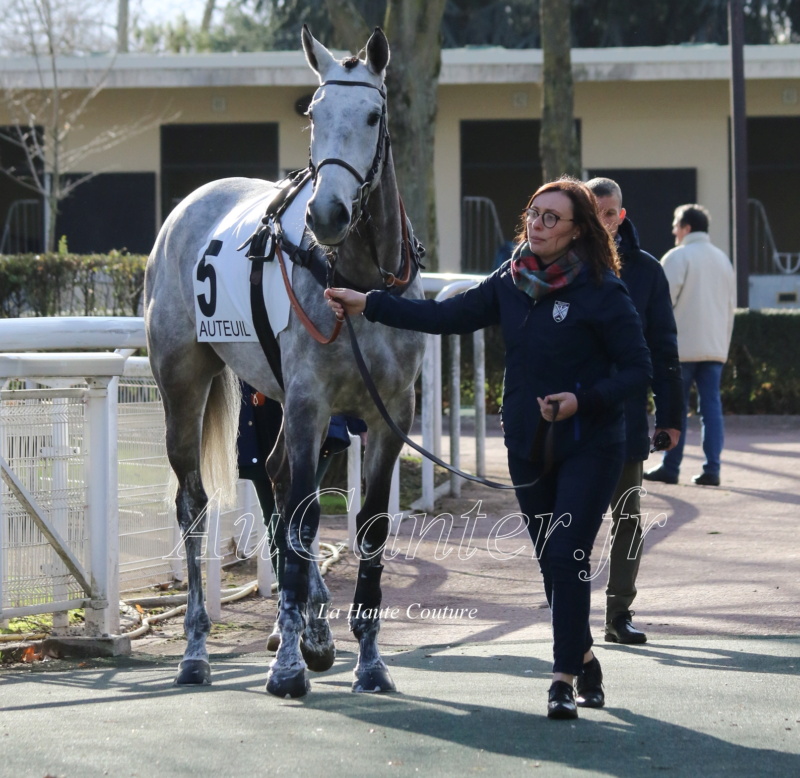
{"points": [[349, 137]]}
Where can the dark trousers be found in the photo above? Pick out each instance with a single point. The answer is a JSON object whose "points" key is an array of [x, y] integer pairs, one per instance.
{"points": [[276, 535], [564, 511], [626, 541], [276, 529]]}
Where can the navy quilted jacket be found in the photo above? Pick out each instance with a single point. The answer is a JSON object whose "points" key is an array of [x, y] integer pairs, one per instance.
{"points": [[585, 338]]}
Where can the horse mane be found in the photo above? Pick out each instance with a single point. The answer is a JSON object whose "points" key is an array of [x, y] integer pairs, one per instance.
{"points": [[351, 62]]}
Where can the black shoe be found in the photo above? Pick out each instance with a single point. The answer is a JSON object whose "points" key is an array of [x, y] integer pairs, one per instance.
{"points": [[620, 630], [561, 701], [659, 474], [590, 686], [706, 479]]}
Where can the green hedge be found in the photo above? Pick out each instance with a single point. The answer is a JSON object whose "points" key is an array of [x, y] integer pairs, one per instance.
{"points": [[71, 284], [762, 374]]}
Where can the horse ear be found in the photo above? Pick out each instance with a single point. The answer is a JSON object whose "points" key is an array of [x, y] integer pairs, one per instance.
{"points": [[377, 52], [317, 55]]}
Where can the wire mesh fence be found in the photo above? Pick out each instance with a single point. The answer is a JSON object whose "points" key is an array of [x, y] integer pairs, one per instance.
{"points": [[42, 439], [146, 517], [151, 550]]}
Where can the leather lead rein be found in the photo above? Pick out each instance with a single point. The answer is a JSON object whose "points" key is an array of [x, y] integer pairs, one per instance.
{"points": [[376, 398]]}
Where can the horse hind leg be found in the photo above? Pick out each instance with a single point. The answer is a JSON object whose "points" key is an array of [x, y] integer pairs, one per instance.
{"points": [[189, 409], [192, 505]]}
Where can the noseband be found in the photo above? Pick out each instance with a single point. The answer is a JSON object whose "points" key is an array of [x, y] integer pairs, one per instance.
{"points": [[366, 183]]}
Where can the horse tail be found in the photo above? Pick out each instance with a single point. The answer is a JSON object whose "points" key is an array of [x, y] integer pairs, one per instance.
{"points": [[218, 456]]}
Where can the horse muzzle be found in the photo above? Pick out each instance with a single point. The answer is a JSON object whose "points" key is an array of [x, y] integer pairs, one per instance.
{"points": [[329, 225]]}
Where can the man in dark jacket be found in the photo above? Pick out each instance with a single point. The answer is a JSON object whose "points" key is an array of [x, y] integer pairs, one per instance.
{"points": [[649, 291]]}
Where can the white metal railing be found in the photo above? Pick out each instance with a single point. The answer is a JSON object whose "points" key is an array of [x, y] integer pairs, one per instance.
{"points": [[765, 257], [481, 234], [65, 516], [89, 450], [449, 285]]}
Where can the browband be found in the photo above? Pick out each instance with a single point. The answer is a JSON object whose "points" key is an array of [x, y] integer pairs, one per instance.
{"points": [[355, 83]]}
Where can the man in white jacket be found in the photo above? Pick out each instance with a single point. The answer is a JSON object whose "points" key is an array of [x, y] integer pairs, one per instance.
{"points": [[702, 285]]}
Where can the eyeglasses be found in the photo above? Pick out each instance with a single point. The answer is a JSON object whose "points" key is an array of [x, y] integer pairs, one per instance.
{"points": [[549, 219]]}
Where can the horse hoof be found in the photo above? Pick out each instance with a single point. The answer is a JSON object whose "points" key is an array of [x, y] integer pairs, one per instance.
{"points": [[288, 686], [318, 661], [193, 672], [376, 680]]}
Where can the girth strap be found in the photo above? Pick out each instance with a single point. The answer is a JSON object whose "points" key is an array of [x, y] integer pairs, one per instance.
{"points": [[266, 337]]}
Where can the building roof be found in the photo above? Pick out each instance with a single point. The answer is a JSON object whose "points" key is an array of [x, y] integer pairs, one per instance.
{"points": [[472, 65]]}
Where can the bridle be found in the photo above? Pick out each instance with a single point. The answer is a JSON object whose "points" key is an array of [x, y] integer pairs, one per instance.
{"points": [[367, 182], [358, 211]]}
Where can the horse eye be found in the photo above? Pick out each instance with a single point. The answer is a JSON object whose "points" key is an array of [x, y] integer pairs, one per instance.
{"points": [[373, 119]]}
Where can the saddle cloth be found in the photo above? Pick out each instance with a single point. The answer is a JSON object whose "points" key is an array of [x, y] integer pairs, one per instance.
{"points": [[221, 275]]}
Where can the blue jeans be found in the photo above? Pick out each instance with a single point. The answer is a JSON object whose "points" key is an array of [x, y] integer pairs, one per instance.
{"points": [[707, 376]]}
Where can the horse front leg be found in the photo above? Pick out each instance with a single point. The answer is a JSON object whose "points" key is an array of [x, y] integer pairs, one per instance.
{"points": [[287, 675], [316, 643], [372, 524]]}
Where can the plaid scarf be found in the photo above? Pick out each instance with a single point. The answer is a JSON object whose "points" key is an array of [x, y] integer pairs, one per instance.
{"points": [[537, 281]]}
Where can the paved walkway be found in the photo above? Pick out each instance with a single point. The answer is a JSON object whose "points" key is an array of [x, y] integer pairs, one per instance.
{"points": [[715, 691]]}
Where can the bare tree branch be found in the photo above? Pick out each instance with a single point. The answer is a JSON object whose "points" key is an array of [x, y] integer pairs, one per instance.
{"points": [[50, 159]]}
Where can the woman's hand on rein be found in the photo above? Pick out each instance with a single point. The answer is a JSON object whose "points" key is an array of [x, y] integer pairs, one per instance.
{"points": [[347, 301], [567, 406]]}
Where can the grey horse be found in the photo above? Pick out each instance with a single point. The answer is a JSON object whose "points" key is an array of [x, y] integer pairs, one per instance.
{"points": [[365, 244]]}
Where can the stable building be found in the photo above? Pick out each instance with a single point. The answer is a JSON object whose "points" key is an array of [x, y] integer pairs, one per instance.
{"points": [[656, 119]]}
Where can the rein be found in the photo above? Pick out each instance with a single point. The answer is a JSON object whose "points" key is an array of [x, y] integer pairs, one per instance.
{"points": [[298, 309], [391, 282], [376, 398]]}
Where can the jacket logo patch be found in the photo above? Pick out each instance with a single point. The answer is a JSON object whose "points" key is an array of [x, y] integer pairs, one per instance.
{"points": [[560, 311]]}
